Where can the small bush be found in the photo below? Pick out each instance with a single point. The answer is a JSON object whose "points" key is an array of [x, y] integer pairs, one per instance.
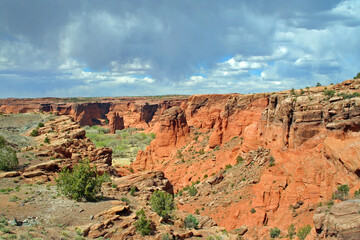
{"points": [[40, 124], [2, 141], [271, 161], [357, 76], [228, 166], [162, 203], [8, 159], [252, 210], [291, 231], [192, 191], [357, 194], [34, 132], [329, 93], [82, 183], [342, 192], [292, 91], [124, 199], [318, 84], [132, 190], [274, 232], [191, 222], [239, 160], [142, 224], [303, 232], [47, 140]]}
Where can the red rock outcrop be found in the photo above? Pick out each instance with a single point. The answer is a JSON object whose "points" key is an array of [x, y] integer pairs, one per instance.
{"points": [[116, 122]]}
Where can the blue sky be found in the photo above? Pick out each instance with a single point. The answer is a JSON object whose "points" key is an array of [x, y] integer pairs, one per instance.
{"points": [[141, 47]]}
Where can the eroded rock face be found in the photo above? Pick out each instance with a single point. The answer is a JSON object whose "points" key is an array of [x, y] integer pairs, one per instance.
{"points": [[116, 122], [341, 221], [172, 133]]}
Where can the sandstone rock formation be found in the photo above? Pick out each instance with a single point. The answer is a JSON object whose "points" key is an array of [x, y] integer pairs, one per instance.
{"points": [[341, 221]]}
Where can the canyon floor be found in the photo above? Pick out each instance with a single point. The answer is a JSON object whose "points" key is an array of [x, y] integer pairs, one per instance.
{"points": [[243, 165]]}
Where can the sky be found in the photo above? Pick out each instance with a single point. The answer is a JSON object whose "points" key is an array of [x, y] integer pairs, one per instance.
{"points": [[64, 48]]}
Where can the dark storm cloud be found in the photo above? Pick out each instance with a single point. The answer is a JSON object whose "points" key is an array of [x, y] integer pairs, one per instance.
{"points": [[107, 45]]}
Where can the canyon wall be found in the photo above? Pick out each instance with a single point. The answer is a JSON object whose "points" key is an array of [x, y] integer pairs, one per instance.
{"points": [[312, 135]]}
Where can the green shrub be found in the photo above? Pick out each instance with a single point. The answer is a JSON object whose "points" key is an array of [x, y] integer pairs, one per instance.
{"points": [[47, 140], [318, 84], [2, 141], [142, 224], [192, 190], [357, 194], [82, 183], [34, 132], [271, 161], [348, 95], [228, 166], [274, 232], [162, 203], [342, 192], [40, 124], [239, 160], [292, 91], [252, 210], [303, 232], [191, 222], [124, 199], [132, 190], [329, 93], [8, 158], [357, 76], [291, 231]]}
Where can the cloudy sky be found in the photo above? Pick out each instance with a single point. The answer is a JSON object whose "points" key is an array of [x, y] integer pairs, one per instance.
{"points": [[134, 48]]}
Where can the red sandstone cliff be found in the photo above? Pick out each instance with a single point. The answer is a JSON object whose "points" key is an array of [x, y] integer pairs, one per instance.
{"points": [[313, 138]]}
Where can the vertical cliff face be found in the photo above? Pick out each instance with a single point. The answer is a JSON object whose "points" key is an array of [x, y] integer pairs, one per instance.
{"points": [[116, 122], [172, 132], [90, 113]]}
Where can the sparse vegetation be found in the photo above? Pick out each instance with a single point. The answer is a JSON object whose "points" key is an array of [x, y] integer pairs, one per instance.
{"points": [[35, 132], [239, 160], [191, 222], [329, 93], [252, 210], [40, 124], [318, 84], [342, 192], [162, 203], [271, 161], [132, 190], [303, 232], [8, 158], [82, 183], [192, 190], [125, 143], [291, 231], [348, 95], [357, 76], [47, 140], [142, 224], [228, 166], [275, 232]]}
